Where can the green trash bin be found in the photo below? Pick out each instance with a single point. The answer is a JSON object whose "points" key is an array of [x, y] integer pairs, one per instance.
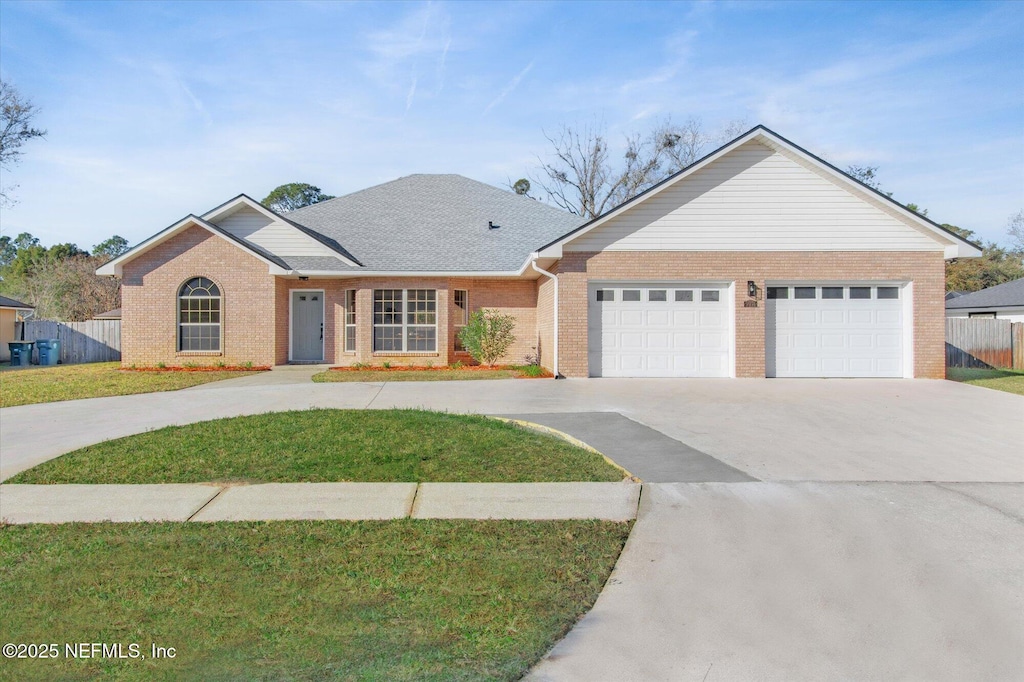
{"points": [[21, 353], [49, 351]]}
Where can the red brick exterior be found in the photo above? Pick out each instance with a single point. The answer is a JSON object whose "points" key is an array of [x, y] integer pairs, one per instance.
{"points": [[924, 269], [256, 304], [149, 302], [256, 313]]}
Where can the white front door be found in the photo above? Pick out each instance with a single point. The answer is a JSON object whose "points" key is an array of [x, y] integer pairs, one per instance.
{"points": [[307, 326], [675, 329], [834, 330]]}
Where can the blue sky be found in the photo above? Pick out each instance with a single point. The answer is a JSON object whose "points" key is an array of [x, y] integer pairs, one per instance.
{"points": [[157, 110]]}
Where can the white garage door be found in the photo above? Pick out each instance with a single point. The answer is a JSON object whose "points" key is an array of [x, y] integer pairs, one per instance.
{"points": [[834, 330], [659, 330]]}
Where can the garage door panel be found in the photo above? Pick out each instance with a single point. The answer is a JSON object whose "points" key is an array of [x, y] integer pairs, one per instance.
{"points": [[841, 337], [659, 338], [890, 317], [805, 316], [833, 341], [684, 341], [833, 317], [633, 318], [657, 341], [657, 318], [684, 318]]}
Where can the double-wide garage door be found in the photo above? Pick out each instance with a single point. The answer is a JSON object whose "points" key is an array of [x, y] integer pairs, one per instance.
{"points": [[834, 330], [659, 330], [679, 329]]}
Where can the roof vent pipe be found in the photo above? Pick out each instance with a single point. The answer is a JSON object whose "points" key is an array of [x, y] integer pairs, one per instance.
{"points": [[492, 226]]}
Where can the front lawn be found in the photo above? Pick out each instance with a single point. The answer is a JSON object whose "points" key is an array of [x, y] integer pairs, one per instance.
{"points": [[94, 380], [391, 600], [1009, 380], [330, 445]]}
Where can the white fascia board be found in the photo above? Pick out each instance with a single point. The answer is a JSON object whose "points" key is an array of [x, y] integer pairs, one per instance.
{"points": [[230, 206], [116, 266]]}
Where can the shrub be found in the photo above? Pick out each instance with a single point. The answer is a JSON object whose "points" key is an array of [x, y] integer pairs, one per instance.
{"points": [[386, 365], [488, 335], [531, 370]]}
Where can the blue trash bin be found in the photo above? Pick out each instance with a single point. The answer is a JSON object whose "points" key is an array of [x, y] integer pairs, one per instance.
{"points": [[49, 351], [21, 353]]}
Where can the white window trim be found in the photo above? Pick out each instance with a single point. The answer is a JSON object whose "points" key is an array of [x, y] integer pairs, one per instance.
{"points": [[179, 324], [465, 319], [405, 324], [346, 325]]}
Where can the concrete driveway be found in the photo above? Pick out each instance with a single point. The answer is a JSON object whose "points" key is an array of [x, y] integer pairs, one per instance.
{"points": [[880, 535]]}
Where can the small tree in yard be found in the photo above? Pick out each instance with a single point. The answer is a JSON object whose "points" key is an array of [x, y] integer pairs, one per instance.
{"points": [[488, 335]]}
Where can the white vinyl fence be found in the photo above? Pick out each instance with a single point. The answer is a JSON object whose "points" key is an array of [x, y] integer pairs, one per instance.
{"points": [[89, 341]]}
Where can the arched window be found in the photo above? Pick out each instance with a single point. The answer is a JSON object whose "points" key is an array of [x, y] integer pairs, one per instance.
{"points": [[199, 315]]}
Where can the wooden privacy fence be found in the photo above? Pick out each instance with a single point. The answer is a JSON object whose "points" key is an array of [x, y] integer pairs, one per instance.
{"points": [[89, 341], [984, 342]]}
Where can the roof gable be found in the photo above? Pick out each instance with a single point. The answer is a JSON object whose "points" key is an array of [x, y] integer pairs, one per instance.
{"points": [[761, 192], [115, 267]]}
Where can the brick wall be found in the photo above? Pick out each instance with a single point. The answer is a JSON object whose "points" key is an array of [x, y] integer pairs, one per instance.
{"points": [[924, 269], [517, 298], [149, 301]]}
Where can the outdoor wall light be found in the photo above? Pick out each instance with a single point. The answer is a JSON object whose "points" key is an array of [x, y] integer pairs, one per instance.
{"points": [[751, 289]]}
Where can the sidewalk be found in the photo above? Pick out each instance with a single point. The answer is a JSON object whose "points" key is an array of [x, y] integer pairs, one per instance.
{"points": [[21, 504]]}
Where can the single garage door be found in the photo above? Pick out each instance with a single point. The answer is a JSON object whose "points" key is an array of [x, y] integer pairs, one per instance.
{"points": [[659, 330], [834, 330]]}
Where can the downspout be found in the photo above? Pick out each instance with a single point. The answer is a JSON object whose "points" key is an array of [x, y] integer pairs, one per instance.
{"points": [[533, 264]]}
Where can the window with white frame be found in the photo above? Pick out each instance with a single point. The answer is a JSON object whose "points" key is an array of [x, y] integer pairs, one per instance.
{"points": [[461, 316], [350, 321], [199, 316], [405, 320]]}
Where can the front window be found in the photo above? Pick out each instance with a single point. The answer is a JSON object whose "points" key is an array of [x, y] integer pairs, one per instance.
{"points": [[461, 316], [199, 312], [404, 320], [350, 321]]}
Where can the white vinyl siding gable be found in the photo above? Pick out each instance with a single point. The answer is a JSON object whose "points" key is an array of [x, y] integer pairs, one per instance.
{"points": [[275, 236], [755, 199]]}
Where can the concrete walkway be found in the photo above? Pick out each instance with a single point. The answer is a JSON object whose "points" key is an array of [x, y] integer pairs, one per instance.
{"points": [[336, 501]]}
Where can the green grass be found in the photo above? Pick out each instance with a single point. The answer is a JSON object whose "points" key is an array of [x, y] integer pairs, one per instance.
{"points": [[1009, 380], [380, 376], [95, 380], [385, 600], [330, 445]]}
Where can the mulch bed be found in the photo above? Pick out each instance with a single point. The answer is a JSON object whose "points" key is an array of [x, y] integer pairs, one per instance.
{"points": [[442, 368], [227, 368]]}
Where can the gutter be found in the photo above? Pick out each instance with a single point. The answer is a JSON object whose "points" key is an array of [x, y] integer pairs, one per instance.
{"points": [[533, 264]]}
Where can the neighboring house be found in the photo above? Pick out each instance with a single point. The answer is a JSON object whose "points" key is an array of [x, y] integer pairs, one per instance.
{"points": [[114, 314], [758, 260], [1003, 301], [9, 312]]}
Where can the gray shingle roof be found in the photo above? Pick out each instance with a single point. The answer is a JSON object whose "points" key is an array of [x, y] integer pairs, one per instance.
{"points": [[433, 223], [1000, 296], [11, 303]]}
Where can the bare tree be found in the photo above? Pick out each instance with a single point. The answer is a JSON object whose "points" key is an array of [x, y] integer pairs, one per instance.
{"points": [[16, 129], [582, 178], [1015, 228], [69, 289]]}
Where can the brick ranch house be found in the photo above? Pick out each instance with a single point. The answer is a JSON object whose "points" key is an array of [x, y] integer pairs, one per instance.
{"points": [[758, 260]]}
